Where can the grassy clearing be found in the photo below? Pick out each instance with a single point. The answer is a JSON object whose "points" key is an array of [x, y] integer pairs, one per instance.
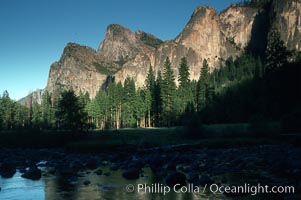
{"points": [[35, 139]]}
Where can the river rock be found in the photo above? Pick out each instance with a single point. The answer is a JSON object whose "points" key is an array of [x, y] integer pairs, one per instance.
{"points": [[7, 170], [205, 179], [171, 166], [98, 172], [107, 174], [156, 164], [224, 180], [131, 174], [114, 166], [91, 164], [33, 173], [175, 178], [193, 178], [184, 169], [87, 182], [137, 164]]}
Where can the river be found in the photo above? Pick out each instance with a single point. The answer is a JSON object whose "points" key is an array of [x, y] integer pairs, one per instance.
{"points": [[102, 187]]}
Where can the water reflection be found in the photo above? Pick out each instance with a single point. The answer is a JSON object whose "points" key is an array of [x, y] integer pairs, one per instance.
{"points": [[106, 187], [73, 188], [20, 188]]}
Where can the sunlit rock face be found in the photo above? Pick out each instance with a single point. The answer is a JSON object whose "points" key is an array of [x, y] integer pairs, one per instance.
{"points": [[121, 43], [236, 24], [287, 18], [132, 52], [75, 70], [208, 35]]}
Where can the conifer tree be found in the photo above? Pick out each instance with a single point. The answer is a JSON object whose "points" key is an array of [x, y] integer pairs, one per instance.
{"points": [[184, 92], [129, 95], [168, 92], [140, 107], [150, 79], [112, 103], [36, 120], [203, 85], [158, 99], [6, 110], [276, 52], [97, 110], [47, 111], [70, 113], [20, 115], [148, 103], [118, 112], [150, 95], [184, 73]]}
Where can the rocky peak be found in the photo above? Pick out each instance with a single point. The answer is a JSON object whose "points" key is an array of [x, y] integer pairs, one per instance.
{"points": [[76, 69], [117, 30], [120, 44], [202, 37], [203, 10], [78, 52], [203, 17]]}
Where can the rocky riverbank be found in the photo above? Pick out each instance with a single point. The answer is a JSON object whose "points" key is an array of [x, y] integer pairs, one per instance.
{"points": [[265, 164]]}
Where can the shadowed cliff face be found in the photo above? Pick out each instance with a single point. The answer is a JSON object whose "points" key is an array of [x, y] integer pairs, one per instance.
{"points": [[207, 35]]}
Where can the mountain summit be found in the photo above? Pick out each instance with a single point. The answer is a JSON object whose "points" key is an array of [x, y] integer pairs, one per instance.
{"points": [[207, 35]]}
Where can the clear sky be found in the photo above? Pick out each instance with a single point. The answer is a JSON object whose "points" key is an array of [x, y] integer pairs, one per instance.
{"points": [[33, 33]]}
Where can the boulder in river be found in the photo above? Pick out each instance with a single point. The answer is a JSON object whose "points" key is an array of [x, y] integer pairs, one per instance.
{"points": [[91, 164], [87, 182], [131, 174], [193, 178], [98, 172], [175, 178], [115, 166], [7, 170], [205, 179], [32, 173]]}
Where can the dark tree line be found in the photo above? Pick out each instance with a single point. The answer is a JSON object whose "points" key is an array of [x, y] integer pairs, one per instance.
{"points": [[250, 89], [60, 111], [12, 114]]}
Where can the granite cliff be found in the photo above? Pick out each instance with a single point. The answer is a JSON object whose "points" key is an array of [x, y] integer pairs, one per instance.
{"points": [[208, 35]]}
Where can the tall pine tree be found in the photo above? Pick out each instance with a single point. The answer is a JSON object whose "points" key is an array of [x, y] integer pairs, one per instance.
{"points": [[70, 113], [276, 52], [48, 118], [184, 73], [184, 92], [203, 86], [150, 96], [129, 94], [158, 100], [168, 92]]}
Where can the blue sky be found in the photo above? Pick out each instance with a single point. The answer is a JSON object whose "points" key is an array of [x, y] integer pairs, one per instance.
{"points": [[33, 33]]}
